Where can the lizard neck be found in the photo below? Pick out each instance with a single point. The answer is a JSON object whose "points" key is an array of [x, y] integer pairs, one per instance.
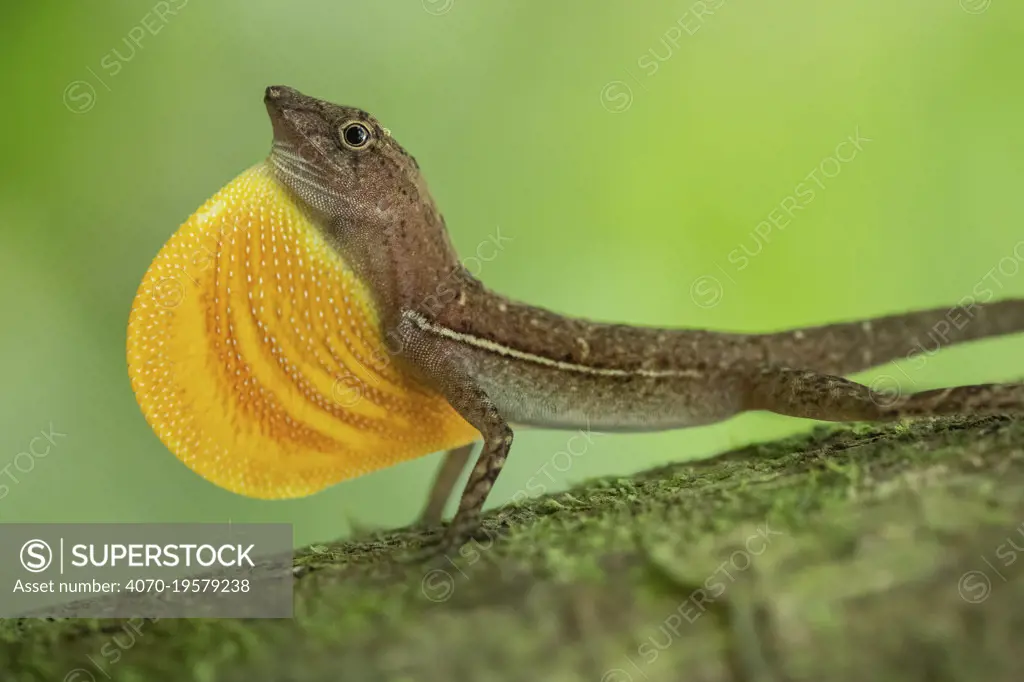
{"points": [[396, 244]]}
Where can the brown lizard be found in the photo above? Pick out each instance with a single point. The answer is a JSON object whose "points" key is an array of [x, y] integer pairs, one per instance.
{"points": [[312, 322]]}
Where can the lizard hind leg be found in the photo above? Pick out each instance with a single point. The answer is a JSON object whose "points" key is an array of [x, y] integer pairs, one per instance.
{"points": [[808, 394]]}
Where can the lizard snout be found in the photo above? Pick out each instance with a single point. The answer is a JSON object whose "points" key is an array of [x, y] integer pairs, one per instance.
{"points": [[280, 93]]}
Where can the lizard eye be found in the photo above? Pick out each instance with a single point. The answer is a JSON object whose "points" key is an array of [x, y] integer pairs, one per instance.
{"points": [[355, 135]]}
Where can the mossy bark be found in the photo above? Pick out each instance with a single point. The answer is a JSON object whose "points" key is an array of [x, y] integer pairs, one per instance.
{"points": [[847, 555]]}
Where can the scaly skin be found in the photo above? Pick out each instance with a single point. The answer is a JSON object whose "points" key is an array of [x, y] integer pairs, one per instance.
{"points": [[312, 322]]}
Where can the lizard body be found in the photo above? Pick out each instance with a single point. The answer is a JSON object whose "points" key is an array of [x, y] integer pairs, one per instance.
{"points": [[312, 322]]}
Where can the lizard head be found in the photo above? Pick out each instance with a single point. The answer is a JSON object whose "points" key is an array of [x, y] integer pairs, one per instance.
{"points": [[356, 181], [339, 160]]}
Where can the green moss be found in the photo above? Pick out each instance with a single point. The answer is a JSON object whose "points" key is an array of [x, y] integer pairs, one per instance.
{"points": [[837, 556]]}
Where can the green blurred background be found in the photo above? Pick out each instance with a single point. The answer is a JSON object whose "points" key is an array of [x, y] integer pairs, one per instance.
{"points": [[627, 149]]}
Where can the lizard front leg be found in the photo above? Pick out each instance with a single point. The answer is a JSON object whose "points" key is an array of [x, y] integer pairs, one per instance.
{"points": [[439, 363], [447, 476]]}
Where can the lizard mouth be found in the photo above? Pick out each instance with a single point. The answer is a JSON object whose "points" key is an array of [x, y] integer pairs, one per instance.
{"points": [[276, 97], [281, 102], [297, 159]]}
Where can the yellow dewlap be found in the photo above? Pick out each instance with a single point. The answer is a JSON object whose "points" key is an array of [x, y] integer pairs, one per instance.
{"points": [[256, 355]]}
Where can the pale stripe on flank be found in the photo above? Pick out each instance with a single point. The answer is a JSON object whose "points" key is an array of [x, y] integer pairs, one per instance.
{"points": [[485, 344]]}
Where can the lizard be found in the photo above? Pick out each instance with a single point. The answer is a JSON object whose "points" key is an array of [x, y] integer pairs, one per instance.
{"points": [[312, 323]]}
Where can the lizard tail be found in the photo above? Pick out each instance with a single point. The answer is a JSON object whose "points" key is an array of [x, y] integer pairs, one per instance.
{"points": [[850, 347]]}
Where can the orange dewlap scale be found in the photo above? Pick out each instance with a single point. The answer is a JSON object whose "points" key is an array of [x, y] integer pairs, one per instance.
{"points": [[257, 358]]}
